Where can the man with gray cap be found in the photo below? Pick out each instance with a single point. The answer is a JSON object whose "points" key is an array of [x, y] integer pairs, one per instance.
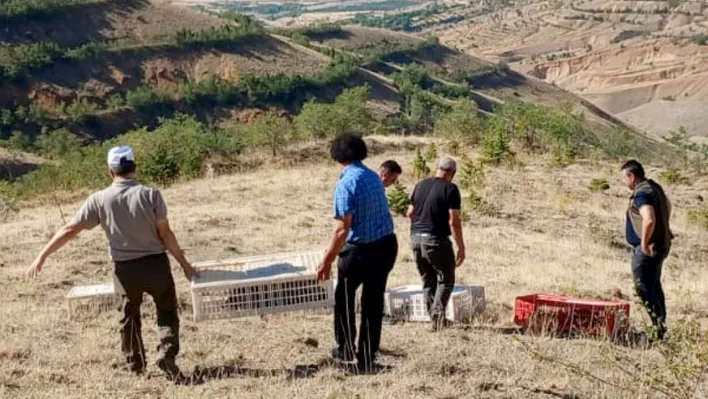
{"points": [[435, 214], [134, 219]]}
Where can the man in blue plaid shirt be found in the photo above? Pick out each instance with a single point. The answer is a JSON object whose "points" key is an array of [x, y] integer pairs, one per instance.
{"points": [[367, 247]]}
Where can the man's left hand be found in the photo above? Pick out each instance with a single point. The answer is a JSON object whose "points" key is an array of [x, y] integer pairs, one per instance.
{"points": [[648, 250], [35, 267], [324, 271]]}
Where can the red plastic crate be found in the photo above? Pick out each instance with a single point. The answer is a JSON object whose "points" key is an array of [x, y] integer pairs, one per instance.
{"points": [[562, 314]]}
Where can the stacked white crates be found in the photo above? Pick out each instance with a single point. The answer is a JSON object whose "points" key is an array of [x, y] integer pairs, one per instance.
{"points": [[407, 303], [259, 285], [99, 296]]}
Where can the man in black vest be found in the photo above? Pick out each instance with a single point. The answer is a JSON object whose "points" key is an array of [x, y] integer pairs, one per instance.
{"points": [[435, 214], [649, 234]]}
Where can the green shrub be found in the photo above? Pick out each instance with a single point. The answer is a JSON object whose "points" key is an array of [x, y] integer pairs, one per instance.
{"points": [[178, 147], [398, 199], [144, 98], [216, 36], [475, 202], [347, 113], [701, 40], [301, 39], [57, 143], [420, 166], [20, 141], [540, 129], [461, 123], [471, 173], [86, 51], [673, 177], [495, 144], [698, 217], [431, 153], [14, 60], [269, 131], [78, 111], [8, 200], [34, 9], [598, 185], [115, 101], [618, 143]]}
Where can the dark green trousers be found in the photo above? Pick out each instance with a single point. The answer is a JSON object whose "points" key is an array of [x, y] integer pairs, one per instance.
{"points": [[152, 275]]}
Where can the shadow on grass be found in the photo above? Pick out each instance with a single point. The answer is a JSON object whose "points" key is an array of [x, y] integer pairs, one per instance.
{"points": [[500, 387], [201, 375], [633, 338]]}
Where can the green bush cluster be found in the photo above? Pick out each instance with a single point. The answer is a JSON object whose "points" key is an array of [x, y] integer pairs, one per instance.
{"points": [[381, 52], [247, 27], [15, 60], [399, 21], [398, 199], [348, 112], [177, 148], [34, 9]]}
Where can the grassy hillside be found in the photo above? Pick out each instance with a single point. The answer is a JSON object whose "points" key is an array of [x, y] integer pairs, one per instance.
{"points": [[231, 119], [542, 231]]}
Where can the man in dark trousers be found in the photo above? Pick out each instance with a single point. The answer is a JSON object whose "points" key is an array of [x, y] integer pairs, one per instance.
{"points": [[390, 171], [435, 214], [649, 234], [363, 238], [134, 218]]}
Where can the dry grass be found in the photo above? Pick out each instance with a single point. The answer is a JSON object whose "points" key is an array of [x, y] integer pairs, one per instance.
{"points": [[542, 242]]}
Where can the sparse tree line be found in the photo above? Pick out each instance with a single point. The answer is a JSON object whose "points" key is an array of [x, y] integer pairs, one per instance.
{"points": [[34, 9], [22, 59], [401, 21], [249, 91]]}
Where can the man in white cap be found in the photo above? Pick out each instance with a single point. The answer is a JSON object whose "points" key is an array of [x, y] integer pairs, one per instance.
{"points": [[134, 218], [435, 215]]}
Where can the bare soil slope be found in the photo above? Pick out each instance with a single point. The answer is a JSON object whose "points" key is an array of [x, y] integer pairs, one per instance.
{"points": [[624, 56]]}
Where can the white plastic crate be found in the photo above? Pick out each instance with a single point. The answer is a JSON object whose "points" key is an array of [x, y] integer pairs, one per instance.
{"points": [[407, 303], [258, 285], [100, 296]]}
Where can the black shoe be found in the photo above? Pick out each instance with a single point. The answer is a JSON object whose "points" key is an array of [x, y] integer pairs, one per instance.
{"points": [[439, 324], [170, 368], [342, 354], [367, 367]]}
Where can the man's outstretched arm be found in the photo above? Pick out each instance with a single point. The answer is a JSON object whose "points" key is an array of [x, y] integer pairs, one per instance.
{"points": [[64, 235]]}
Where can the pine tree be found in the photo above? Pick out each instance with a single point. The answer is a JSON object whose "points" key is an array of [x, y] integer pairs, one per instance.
{"points": [[431, 153], [398, 199], [420, 166], [471, 173]]}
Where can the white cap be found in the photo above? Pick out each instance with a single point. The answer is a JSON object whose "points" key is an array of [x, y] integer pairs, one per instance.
{"points": [[117, 155]]}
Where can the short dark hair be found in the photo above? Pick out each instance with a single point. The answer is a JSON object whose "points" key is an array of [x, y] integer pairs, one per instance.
{"points": [[348, 147], [126, 168], [392, 166], [634, 167]]}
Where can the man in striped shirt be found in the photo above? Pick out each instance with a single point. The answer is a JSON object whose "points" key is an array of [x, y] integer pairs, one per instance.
{"points": [[363, 238]]}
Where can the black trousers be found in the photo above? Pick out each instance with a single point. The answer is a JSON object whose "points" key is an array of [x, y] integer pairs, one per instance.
{"points": [[435, 260], [646, 271], [366, 265], [150, 274]]}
